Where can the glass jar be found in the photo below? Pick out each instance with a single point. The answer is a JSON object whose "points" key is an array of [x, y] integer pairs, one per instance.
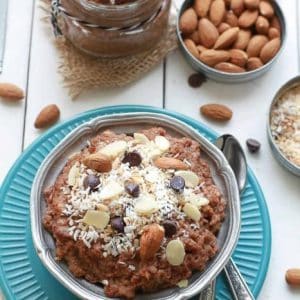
{"points": [[105, 15], [100, 42]]}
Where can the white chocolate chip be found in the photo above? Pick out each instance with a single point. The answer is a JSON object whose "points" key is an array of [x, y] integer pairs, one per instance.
{"points": [[146, 206], [197, 200], [114, 149], [175, 252], [183, 283], [96, 218], [111, 190], [192, 211], [191, 179], [140, 138], [162, 143], [73, 175]]}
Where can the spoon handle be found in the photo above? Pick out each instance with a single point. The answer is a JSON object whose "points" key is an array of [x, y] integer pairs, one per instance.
{"points": [[239, 287], [209, 292]]}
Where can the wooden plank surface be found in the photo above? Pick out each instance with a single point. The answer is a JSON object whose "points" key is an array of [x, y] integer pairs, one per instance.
{"points": [[250, 102], [14, 71]]}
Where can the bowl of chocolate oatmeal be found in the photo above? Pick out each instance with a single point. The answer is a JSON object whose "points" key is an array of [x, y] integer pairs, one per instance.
{"points": [[284, 126], [135, 205]]}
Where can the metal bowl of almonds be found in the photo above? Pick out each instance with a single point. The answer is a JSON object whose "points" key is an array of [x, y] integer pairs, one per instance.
{"points": [[284, 125], [135, 205], [231, 41]]}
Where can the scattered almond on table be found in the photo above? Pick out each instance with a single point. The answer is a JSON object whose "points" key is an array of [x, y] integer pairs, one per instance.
{"points": [[48, 116], [216, 112], [292, 277], [231, 36], [11, 92]]}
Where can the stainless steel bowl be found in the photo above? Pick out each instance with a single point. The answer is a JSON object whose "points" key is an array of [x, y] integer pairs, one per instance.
{"points": [[220, 76], [279, 155], [131, 122]]}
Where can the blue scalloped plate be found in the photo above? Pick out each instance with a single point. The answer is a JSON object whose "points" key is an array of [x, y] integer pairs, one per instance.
{"points": [[22, 275]]}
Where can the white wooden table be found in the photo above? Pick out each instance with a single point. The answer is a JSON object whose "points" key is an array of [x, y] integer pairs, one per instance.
{"points": [[31, 61]]}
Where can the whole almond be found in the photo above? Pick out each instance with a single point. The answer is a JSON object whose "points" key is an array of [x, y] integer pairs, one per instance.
{"points": [[262, 25], [188, 21], [273, 33], [238, 57], [270, 50], [208, 33], [195, 37], [212, 57], [266, 9], [202, 7], [227, 38], [276, 23], [255, 45], [170, 163], [192, 48], [47, 116], [223, 27], [11, 92], [229, 68], [217, 12], [292, 277], [248, 18], [231, 19], [201, 48], [242, 40], [150, 241], [98, 162], [237, 6], [253, 63], [217, 112], [252, 4]]}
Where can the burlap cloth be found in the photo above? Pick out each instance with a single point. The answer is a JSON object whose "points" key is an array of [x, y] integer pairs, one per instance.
{"points": [[81, 72]]}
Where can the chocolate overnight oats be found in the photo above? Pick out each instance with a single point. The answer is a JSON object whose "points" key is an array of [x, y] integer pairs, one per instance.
{"points": [[135, 213], [113, 2]]}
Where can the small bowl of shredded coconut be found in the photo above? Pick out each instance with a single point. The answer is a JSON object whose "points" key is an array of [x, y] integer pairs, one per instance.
{"points": [[284, 126]]}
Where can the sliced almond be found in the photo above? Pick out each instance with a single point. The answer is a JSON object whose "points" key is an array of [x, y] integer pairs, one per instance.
{"points": [[111, 190], [192, 211], [175, 252], [96, 218], [73, 175], [191, 179], [162, 143], [170, 163], [183, 283], [146, 206], [140, 138], [114, 149], [102, 207], [197, 200]]}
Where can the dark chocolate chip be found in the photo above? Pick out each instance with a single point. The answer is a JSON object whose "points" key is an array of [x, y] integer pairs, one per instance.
{"points": [[253, 145], [132, 189], [177, 183], [130, 134], [170, 228], [133, 158], [117, 224], [195, 80], [92, 182]]}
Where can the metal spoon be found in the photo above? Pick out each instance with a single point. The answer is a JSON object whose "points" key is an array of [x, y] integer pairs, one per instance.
{"points": [[234, 153]]}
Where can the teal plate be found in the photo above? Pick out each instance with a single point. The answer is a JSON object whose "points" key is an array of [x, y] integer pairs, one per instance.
{"points": [[22, 275]]}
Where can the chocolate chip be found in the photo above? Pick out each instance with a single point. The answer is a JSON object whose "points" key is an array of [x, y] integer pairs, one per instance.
{"points": [[195, 80], [91, 181], [130, 134], [253, 145], [177, 183], [132, 189], [133, 158], [117, 224], [170, 228]]}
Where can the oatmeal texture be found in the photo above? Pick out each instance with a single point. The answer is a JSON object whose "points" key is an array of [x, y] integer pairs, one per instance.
{"points": [[113, 2], [142, 226], [285, 125]]}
